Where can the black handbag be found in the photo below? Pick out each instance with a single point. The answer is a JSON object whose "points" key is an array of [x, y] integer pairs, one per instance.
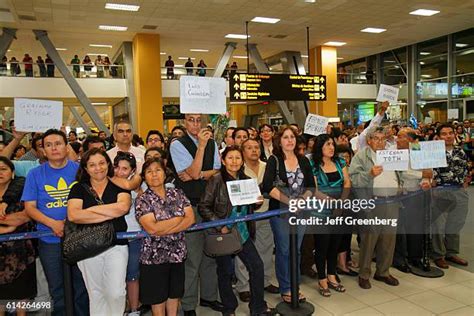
{"points": [[217, 244], [82, 241]]}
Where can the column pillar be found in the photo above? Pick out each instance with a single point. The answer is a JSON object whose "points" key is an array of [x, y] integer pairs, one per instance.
{"points": [[323, 61], [147, 82]]}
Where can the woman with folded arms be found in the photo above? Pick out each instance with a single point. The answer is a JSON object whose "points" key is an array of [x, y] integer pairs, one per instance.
{"points": [[95, 199], [165, 214]]}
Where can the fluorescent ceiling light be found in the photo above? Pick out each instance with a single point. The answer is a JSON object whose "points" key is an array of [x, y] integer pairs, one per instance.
{"points": [[179, 65], [162, 53], [373, 30], [199, 50], [426, 76], [340, 57], [425, 53], [389, 61], [122, 7], [424, 12], [335, 43], [99, 103], [237, 36], [260, 19], [97, 54], [57, 48], [422, 62], [100, 45], [239, 57], [186, 58], [467, 52], [113, 28], [304, 56], [310, 1], [461, 45]]}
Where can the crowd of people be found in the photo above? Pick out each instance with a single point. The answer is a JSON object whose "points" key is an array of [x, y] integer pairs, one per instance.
{"points": [[104, 68], [200, 70], [163, 185]]}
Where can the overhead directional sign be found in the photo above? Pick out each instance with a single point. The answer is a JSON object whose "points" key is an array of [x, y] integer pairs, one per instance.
{"points": [[267, 87]]}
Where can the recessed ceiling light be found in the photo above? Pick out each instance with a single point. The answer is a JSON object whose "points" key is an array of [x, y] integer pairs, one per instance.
{"points": [[335, 43], [304, 56], [237, 36], [162, 53], [239, 57], [373, 30], [9, 50], [199, 50], [99, 103], [422, 62], [260, 19], [424, 12], [122, 7], [310, 1], [461, 45], [57, 48], [186, 58], [113, 28], [340, 58], [100, 45], [425, 53]]}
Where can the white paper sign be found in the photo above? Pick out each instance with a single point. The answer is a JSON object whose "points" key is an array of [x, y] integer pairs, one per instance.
{"points": [[393, 160], [453, 114], [315, 124], [243, 192], [202, 95], [33, 115], [232, 123], [428, 120], [388, 93], [426, 155]]}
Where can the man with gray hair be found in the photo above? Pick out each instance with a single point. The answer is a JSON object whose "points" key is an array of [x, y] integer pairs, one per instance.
{"points": [[371, 181]]}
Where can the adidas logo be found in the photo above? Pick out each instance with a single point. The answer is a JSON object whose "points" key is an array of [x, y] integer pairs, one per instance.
{"points": [[59, 193]]}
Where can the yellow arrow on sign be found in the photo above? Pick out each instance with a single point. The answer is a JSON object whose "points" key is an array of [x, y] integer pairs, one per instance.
{"points": [[321, 87], [321, 79], [236, 95], [322, 95], [236, 86]]}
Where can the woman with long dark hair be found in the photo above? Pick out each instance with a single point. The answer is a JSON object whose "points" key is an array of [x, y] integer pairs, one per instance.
{"points": [[332, 177], [215, 204], [287, 176]]}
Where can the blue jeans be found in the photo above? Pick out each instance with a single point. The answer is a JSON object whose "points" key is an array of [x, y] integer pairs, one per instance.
{"points": [[51, 259], [281, 234], [254, 265]]}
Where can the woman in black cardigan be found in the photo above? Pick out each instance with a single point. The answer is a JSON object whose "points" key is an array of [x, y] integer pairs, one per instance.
{"points": [[295, 180]]}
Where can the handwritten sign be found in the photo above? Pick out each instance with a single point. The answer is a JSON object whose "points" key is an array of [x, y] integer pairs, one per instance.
{"points": [[33, 115], [426, 155], [202, 95], [243, 192], [315, 124], [388, 93], [453, 114], [393, 160]]}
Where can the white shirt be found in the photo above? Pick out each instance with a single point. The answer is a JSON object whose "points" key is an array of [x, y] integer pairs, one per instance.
{"points": [[137, 152], [261, 171], [386, 183]]}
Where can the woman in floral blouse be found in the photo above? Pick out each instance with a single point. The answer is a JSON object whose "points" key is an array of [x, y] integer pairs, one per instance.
{"points": [[164, 213]]}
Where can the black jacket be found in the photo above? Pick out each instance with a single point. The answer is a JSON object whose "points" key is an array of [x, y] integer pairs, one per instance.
{"points": [[215, 203], [270, 175]]}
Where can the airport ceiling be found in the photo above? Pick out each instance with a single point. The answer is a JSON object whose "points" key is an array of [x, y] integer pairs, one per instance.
{"points": [[202, 24]]}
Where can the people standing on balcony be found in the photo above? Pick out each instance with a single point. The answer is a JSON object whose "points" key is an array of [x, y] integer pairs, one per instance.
{"points": [[3, 66], [87, 62], [49, 66], [14, 67], [202, 68], [28, 62], [100, 68], [106, 64], [41, 66], [169, 68], [233, 69], [189, 67], [76, 69]]}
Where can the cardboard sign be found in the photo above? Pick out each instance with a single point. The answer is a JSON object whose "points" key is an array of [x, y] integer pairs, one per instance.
{"points": [[243, 192], [315, 124], [393, 160], [426, 155], [388, 93], [33, 115], [202, 95]]}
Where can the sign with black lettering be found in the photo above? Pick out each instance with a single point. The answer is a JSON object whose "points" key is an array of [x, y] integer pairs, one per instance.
{"points": [[268, 87], [394, 160]]}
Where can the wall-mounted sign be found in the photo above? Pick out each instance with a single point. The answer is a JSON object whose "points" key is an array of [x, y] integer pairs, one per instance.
{"points": [[267, 87]]}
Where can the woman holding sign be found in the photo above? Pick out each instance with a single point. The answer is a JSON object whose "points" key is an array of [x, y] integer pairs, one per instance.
{"points": [[332, 176], [215, 205]]}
